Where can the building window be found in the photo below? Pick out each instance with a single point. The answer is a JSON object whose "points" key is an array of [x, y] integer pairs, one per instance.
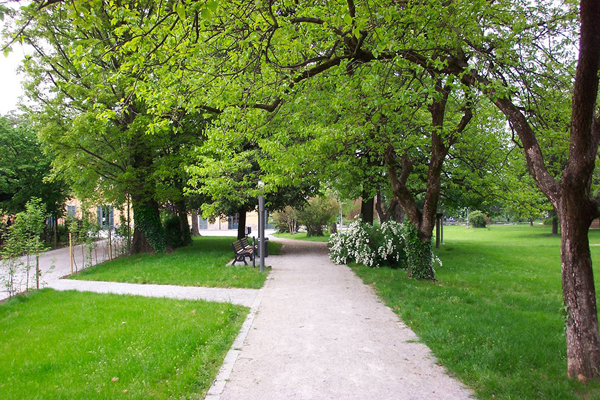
{"points": [[106, 217], [202, 223], [233, 221], [72, 211]]}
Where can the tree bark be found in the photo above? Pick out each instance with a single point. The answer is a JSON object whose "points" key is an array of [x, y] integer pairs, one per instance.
{"points": [[555, 225], [139, 243], [399, 213], [388, 213], [195, 228], [241, 232], [366, 210], [583, 347]]}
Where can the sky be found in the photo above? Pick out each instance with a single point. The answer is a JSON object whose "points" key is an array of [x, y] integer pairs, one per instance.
{"points": [[10, 88], [10, 81]]}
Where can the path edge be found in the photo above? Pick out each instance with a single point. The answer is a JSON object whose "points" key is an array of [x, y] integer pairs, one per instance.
{"points": [[218, 386]]}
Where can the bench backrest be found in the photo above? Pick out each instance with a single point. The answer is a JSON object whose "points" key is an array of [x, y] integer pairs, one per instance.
{"points": [[237, 246], [244, 242]]}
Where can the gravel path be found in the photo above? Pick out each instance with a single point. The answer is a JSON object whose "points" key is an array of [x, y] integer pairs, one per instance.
{"points": [[317, 332]]}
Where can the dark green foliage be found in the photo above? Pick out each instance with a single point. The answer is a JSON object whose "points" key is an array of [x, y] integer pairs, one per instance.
{"points": [[419, 254], [477, 219], [173, 234], [25, 170], [148, 221]]}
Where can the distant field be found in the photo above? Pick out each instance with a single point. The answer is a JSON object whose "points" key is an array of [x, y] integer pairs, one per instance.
{"points": [[494, 319], [204, 263], [302, 236]]}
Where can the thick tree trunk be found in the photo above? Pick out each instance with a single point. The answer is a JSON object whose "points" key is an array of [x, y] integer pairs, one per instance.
{"points": [[366, 210], [139, 243], [148, 235], [242, 223], [195, 228], [583, 346]]}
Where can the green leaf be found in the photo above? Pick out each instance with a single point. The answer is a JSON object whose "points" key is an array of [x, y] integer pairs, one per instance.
{"points": [[180, 10], [206, 13], [212, 5]]}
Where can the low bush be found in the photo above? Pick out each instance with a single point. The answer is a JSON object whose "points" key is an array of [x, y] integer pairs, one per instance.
{"points": [[477, 219], [285, 220], [316, 214], [173, 231]]}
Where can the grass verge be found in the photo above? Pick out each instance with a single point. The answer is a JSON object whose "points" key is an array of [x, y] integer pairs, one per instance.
{"points": [[302, 236], [71, 345], [201, 264], [494, 319]]}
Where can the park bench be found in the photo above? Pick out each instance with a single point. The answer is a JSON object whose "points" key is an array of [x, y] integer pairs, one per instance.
{"points": [[241, 250]]}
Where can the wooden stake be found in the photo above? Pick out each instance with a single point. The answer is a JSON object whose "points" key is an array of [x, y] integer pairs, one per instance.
{"points": [[71, 252], [37, 271], [109, 246]]}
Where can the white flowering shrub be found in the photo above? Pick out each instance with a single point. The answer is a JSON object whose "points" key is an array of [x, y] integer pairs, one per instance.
{"points": [[368, 245]]}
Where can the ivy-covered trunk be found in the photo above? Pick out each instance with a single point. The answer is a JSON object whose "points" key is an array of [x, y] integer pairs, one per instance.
{"points": [[148, 235]]}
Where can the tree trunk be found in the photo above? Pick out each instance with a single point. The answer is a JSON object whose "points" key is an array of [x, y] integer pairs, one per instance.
{"points": [[184, 226], [399, 213], [554, 225], [195, 228], [366, 210], [242, 223], [139, 243], [583, 347], [148, 235]]}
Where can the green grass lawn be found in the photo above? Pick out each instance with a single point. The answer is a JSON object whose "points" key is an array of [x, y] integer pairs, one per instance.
{"points": [[302, 236], [494, 319], [201, 264], [70, 345]]}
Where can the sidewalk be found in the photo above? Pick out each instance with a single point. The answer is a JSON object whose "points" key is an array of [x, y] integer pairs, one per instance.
{"points": [[320, 333], [243, 297], [55, 264]]}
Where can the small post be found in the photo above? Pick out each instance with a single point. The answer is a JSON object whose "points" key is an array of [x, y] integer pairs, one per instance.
{"points": [[442, 229], [37, 271], [109, 245], [261, 232], [438, 218], [261, 227], [71, 252]]}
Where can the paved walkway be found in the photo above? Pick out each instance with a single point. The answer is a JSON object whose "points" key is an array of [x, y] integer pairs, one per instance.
{"points": [[55, 264], [244, 297], [320, 333]]}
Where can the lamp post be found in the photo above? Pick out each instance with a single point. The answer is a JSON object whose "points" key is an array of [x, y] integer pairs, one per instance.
{"points": [[261, 226]]}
